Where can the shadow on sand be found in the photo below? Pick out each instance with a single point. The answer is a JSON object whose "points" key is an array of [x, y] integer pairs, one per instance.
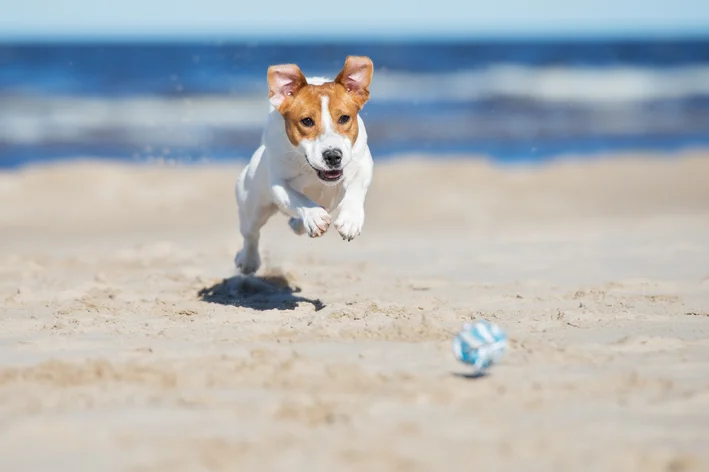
{"points": [[470, 375], [259, 293]]}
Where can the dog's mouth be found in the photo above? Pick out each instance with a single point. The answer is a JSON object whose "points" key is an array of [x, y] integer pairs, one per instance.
{"points": [[330, 175]]}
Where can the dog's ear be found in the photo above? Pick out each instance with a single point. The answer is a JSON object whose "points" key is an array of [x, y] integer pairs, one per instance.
{"points": [[284, 81], [356, 77]]}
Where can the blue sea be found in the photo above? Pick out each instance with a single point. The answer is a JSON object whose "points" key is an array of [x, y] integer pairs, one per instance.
{"points": [[513, 101]]}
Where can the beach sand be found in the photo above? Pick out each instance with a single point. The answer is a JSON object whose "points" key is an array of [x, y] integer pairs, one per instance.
{"points": [[128, 344]]}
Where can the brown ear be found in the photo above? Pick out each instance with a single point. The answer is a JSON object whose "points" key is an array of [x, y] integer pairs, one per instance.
{"points": [[284, 81], [356, 77]]}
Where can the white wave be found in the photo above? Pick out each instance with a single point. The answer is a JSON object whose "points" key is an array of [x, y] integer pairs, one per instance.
{"points": [[31, 119], [27, 118], [551, 84]]}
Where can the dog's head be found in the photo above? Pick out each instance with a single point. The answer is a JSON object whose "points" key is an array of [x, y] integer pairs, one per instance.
{"points": [[321, 119]]}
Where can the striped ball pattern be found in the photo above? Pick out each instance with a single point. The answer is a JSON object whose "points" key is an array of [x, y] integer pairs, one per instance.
{"points": [[480, 344]]}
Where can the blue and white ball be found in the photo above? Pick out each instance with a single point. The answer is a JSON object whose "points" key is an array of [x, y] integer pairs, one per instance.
{"points": [[480, 344]]}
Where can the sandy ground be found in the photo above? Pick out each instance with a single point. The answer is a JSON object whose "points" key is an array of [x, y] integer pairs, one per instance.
{"points": [[127, 344]]}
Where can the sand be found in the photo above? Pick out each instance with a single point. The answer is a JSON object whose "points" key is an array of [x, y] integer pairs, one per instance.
{"points": [[127, 343]]}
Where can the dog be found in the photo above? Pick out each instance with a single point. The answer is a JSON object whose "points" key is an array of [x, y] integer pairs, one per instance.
{"points": [[314, 163]]}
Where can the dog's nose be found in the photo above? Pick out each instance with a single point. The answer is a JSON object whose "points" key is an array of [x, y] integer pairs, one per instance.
{"points": [[332, 157]]}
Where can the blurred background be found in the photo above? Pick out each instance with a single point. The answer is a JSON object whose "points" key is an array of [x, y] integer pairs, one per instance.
{"points": [[513, 80]]}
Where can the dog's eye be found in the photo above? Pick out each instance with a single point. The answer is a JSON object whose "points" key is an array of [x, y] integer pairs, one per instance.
{"points": [[307, 122], [344, 119]]}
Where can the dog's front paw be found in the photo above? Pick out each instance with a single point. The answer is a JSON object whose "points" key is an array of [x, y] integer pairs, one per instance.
{"points": [[350, 222], [315, 221], [247, 261]]}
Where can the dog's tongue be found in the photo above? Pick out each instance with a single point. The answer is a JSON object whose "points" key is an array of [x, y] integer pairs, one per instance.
{"points": [[332, 173]]}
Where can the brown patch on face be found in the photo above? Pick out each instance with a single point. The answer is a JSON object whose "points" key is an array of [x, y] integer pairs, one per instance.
{"points": [[304, 118], [301, 103], [343, 112]]}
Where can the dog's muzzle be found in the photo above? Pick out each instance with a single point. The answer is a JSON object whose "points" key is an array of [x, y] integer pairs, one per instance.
{"points": [[332, 157]]}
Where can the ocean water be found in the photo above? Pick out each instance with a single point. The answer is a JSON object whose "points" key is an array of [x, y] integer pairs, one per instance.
{"points": [[513, 101]]}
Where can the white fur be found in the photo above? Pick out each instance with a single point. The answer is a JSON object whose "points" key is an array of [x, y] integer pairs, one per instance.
{"points": [[279, 177]]}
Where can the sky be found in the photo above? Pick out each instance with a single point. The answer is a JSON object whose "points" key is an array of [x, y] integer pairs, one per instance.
{"points": [[318, 19]]}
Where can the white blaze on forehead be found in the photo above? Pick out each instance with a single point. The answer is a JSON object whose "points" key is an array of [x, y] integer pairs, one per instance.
{"points": [[325, 113]]}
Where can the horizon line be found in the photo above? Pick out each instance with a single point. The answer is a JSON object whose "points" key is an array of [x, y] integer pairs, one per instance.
{"points": [[582, 35]]}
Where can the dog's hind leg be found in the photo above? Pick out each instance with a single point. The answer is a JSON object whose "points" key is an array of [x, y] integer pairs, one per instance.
{"points": [[254, 212], [248, 259], [296, 224]]}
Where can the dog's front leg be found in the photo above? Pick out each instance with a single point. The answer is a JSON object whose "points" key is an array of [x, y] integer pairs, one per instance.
{"points": [[350, 218], [350, 211], [315, 219]]}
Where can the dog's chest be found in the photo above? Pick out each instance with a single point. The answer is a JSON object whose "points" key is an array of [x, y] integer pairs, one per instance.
{"points": [[327, 197], [324, 195]]}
